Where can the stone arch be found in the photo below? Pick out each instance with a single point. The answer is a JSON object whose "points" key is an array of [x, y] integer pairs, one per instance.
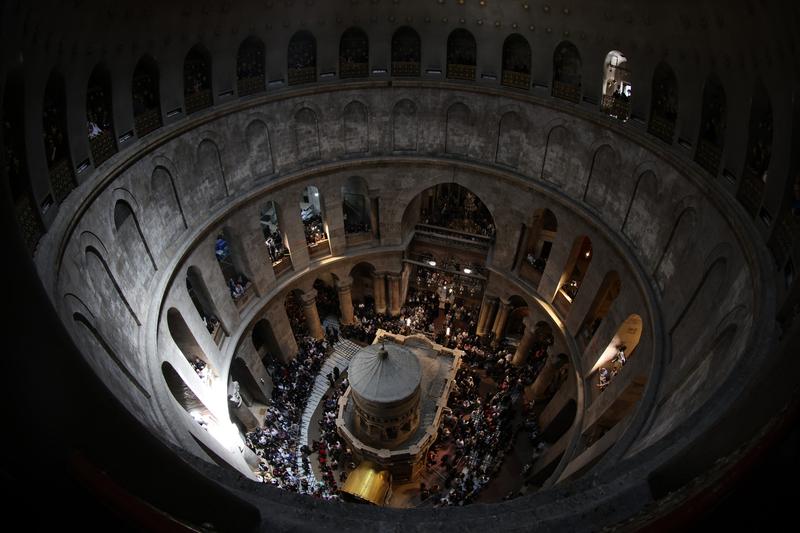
{"points": [[259, 148], [510, 139], [601, 305], [627, 337], [462, 54], [97, 337], [56, 135], [306, 135], [712, 126], [301, 58], [146, 96], [250, 66], [265, 342], [404, 126], [567, 69], [575, 269], [124, 216], [201, 298], [164, 195], [275, 239], [356, 128], [356, 205], [759, 151], [616, 88], [663, 103], [185, 396], [314, 219], [406, 52], [184, 339], [100, 115], [679, 243], [458, 127], [197, 78], [212, 183], [97, 268], [557, 155], [353, 54], [645, 195], [602, 184], [362, 287], [516, 62]]}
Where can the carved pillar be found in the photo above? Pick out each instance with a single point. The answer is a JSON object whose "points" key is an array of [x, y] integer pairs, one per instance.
{"points": [[500, 320], [525, 345], [379, 292], [312, 316], [344, 287], [395, 302], [486, 318]]}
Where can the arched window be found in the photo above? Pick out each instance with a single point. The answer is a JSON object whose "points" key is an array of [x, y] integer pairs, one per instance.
{"points": [[461, 55], [232, 267], [186, 342], [15, 161], [128, 230], [250, 78], [363, 286], [275, 241], [197, 79], [539, 242], [516, 62], [186, 397], [616, 86], [100, 116], [312, 215], [201, 298], [518, 310], [265, 343], [601, 305], [56, 141], [567, 69], [406, 52], [621, 348], [146, 97], [577, 264], [327, 297], [297, 315], [302, 58], [354, 54], [759, 151], [356, 209], [712, 126], [664, 103]]}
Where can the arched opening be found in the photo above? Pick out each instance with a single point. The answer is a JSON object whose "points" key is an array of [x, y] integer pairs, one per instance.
{"points": [[353, 54], [759, 151], [201, 298], [100, 116], [146, 97], [232, 267], [362, 286], [249, 391], [266, 344], [128, 230], [56, 140], [577, 264], [618, 352], [449, 206], [327, 297], [616, 86], [462, 55], [197, 79], [275, 241], [188, 400], [293, 303], [516, 62], [538, 242], [712, 126], [15, 160], [406, 52], [250, 77], [601, 305], [567, 70], [314, 227], [664, 103], [302, 58], [515, 326], [186, 342], [357, 211]]}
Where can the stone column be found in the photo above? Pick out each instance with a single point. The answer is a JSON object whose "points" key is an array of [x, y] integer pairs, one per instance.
{"points": [[524, 346], [344, 287], [395, 302], [486, 318], [312, 316], [500, 320], [551, 367], [379, 292]]}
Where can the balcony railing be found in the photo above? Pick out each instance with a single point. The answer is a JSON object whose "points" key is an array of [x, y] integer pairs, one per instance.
{"points": [[662, 127], [751, 190], [616, 107], [460, 72], [242, 301], [282, 265], [251, 85], [357, 239], [302, 75], [708, 156], [567, 91], [28, 220], [102, 147], [62, 179], [353, 70], [517, 80], [319, 249], [438, 235], [198, 100], [405, 68], [147, 121]]}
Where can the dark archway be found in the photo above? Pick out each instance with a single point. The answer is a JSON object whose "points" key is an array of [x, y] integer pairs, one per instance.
{"points": [[146, 97], [353, 54], [759, 151], [302, 58], [462, 55], [250, 74], [197, 93], [664, 103], [712, 126], [567, 69], [100, 116], [516, 62], [406, 52], [56, 140]]}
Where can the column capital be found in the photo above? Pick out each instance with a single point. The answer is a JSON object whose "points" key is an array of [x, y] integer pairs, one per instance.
{"points": [[394, 275], [344, 284], [309, 297]]}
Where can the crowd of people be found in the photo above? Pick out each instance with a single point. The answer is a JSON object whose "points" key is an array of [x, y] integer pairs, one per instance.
{"points": [[606, 374], [296, 314], [283, 460], [275, 247], [467, 214], [314, 230]]}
